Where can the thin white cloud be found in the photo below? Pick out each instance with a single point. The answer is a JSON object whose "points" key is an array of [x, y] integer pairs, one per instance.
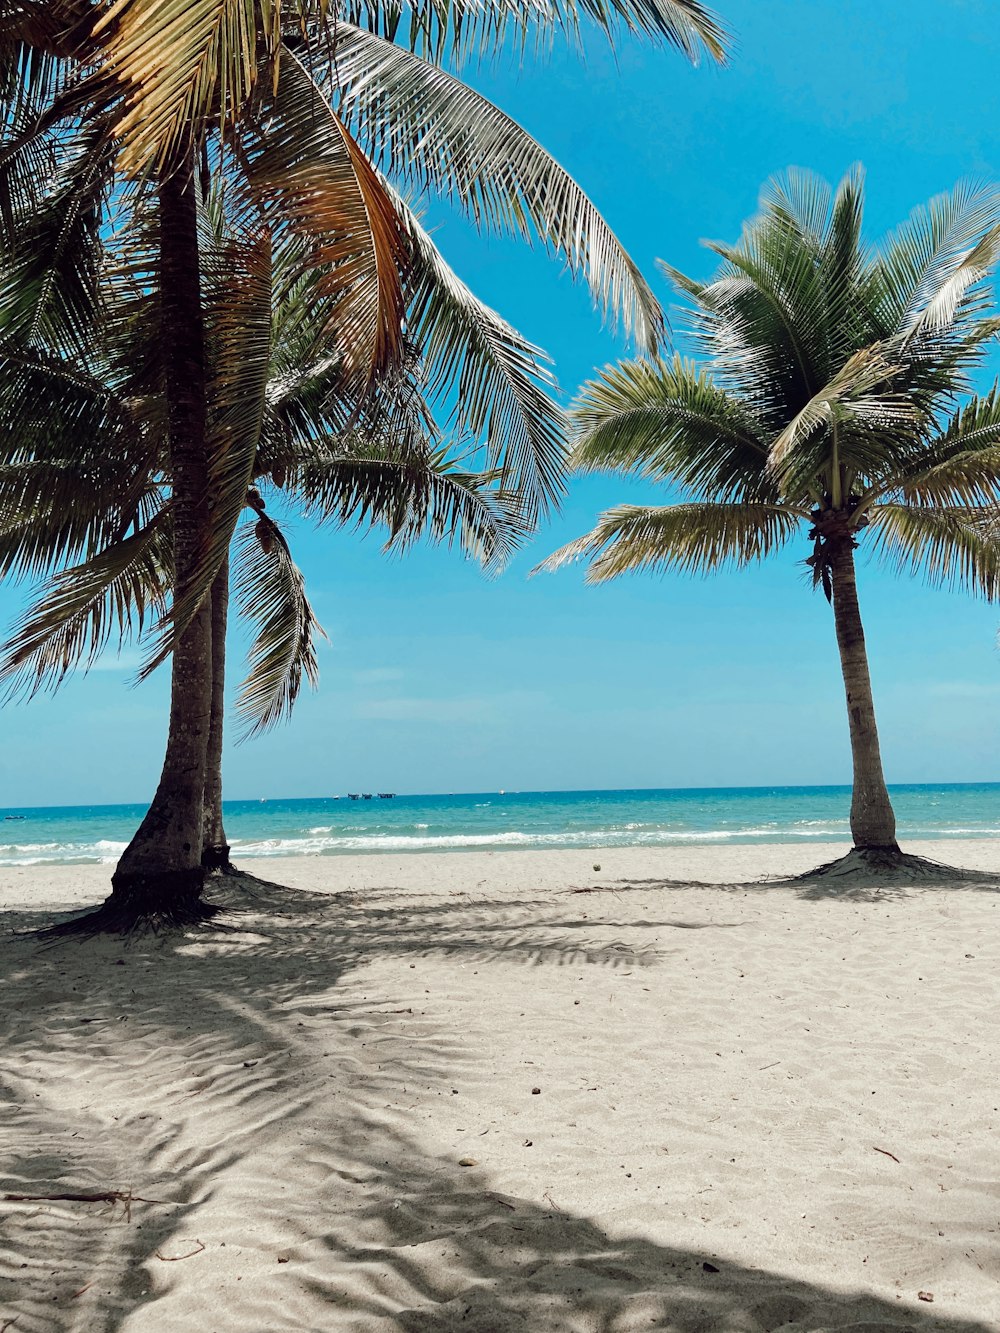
{"points": [[466, 710], [379, 675], [964, 689], [479, 710], [130, 659]]}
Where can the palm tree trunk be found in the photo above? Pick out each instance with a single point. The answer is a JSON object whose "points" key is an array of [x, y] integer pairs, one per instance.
{"points": [[160, 876], [215, 849], [873, 824]]}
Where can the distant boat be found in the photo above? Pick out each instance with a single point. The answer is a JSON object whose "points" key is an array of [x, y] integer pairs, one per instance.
{"points": [[353, 796], [15, 816], [366, 795], [386, 795]]}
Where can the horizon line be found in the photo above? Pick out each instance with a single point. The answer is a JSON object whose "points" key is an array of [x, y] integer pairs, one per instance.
{"points": [[541, 791]]}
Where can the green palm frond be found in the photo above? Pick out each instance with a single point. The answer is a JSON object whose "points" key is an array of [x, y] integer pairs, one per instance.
{"points": [[758, 314], [824, 227], [30, 155], [58, 511], [30, 67], [414, 494], [270, 591], [50, 403], [49, 287], [669, 421], [631, 539], [802, 202], [496, 380], [301, 349], [854, 422], [950, 546], [71, 623], [467, 509], [927, 268], [960, 466], [76, 468], [432, 131], [457, 29]]}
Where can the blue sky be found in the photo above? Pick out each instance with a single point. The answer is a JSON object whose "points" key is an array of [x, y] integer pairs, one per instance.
{"points": [[437, 680]]}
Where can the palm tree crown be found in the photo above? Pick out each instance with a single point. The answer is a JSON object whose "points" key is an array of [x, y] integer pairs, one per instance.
{"points": [[828, 408]]}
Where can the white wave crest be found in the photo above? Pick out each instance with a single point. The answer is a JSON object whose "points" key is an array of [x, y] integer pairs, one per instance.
{"points": [[99, 852]]}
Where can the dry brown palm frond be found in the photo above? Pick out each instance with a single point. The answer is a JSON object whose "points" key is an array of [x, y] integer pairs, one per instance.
{"points": [[180, 64], [311, 176]]}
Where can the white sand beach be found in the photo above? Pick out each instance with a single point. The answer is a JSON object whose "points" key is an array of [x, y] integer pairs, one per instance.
{"points": [[509, 1091]]}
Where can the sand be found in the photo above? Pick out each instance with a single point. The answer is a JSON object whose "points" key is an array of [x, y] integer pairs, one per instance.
{"points": [[451, 1092]]}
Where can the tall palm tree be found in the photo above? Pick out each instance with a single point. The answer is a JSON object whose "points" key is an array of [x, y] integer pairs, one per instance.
{"points": [[828, 412], [117, 104]]}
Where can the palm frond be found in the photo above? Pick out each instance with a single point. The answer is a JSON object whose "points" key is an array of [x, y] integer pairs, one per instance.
{"points": [[121, 587], [958, 467], [310, 175], [54, 511], [414, 494], [802, 201], [270, 591], [432, 131], [688, 537], [670, 422], [179, 63], [76, 468], [30, 153], [454, 30], [842, 260], [759, 311], [49, 287], [495, 380], [949, 546], [928, 266], [822, 437]]}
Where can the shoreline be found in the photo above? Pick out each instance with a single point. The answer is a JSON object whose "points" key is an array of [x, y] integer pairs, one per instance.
{"points": [[45, 884]]}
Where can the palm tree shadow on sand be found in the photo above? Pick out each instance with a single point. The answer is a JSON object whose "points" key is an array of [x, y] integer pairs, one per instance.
{"points": [[244, 1090]]}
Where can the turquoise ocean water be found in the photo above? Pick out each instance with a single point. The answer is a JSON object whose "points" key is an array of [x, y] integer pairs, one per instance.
{"points": [[327, 826]]}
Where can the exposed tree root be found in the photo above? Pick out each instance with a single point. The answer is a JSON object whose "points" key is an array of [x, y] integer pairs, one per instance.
{"points": [[131, 922], [870, 867], [157, 905], [238, 890], [142, 904]]}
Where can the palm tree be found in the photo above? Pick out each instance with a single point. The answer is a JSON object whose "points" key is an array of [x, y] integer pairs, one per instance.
{"points": [[828, 411], [121, 105]]}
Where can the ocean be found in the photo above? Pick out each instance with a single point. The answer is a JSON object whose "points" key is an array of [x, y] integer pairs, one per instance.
{"points": [[484, 821]]}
